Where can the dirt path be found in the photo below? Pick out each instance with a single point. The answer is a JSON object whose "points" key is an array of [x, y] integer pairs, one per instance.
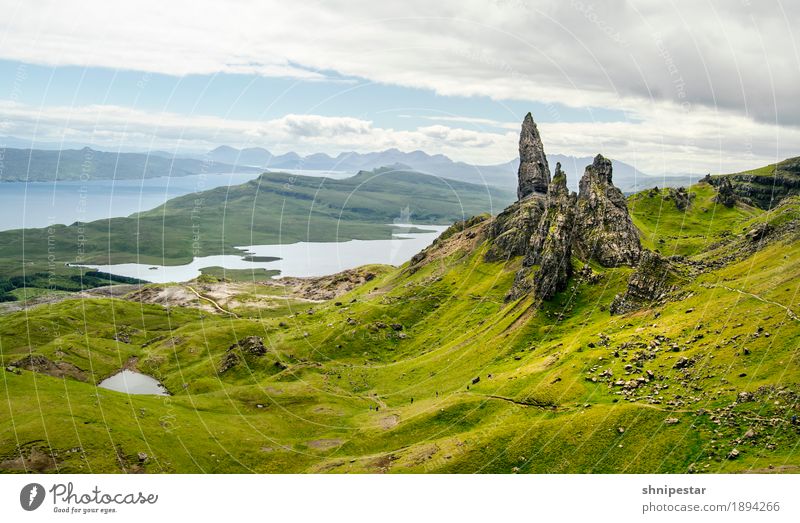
{"points": [[789, 311], [212, 302], [537, 404]]}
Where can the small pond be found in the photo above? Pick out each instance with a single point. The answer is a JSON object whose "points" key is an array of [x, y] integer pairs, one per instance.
{"points": [[132, 382]]}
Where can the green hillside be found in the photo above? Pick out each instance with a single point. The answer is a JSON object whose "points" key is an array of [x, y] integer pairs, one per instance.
{"points": [[428, 368]]}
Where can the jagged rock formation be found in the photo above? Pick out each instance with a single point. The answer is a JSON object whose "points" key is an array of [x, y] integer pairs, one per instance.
{"points": [[548, 262], [651, 281], [534, 173], [605, 231], [725, 194], [548, 224]]}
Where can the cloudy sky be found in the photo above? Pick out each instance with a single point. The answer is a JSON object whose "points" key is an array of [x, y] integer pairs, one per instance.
{"points": [[681, 86]]}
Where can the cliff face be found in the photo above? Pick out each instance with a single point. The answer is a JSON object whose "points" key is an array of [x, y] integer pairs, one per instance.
{"points": [[764, 188], [549, 224]]}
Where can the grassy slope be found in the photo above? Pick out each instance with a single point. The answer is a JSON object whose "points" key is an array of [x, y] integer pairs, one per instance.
{"points": [[535, 408], [673, 232], [275, 208]]}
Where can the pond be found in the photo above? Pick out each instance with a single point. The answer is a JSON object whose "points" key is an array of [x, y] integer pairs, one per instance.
{"points": [[132, 382]]}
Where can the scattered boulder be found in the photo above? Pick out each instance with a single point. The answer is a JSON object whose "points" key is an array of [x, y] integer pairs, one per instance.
{"points": [[758, 232], [229, 360], [251, 345], [744, 397]]}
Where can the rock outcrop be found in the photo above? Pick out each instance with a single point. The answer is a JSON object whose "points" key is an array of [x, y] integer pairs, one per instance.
{"points": [[681, 197], [547, 265], [534, 173], [43, 365], [242, 349], [651, 282], [725, 194], [605, 231]]}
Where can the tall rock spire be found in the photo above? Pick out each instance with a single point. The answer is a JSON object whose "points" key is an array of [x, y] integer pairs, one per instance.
{"points": [[534, 173]]}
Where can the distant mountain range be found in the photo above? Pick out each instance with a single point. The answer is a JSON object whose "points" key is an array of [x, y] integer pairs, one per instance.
{"points": [[504, 175], [20, 164], [38, 165]]}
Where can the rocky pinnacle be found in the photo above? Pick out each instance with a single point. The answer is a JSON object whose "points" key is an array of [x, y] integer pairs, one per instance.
{"points": [[534, 173]]}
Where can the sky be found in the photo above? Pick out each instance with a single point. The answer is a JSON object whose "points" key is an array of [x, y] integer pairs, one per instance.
{"points": [[668, 86]]}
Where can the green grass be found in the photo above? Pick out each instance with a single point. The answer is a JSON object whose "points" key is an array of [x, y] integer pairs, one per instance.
{"points": [[671, 231]]}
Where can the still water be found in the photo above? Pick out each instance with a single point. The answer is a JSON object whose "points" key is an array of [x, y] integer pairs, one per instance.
{"points": [[296, 259], [133, 383], [40, 204]]}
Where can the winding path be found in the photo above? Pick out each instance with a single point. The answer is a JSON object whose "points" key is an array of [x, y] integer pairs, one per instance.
{"points": [[212, 302]]}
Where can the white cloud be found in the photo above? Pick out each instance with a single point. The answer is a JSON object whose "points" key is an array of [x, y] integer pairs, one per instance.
{"points": [[610, 53], [706, 85]]}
